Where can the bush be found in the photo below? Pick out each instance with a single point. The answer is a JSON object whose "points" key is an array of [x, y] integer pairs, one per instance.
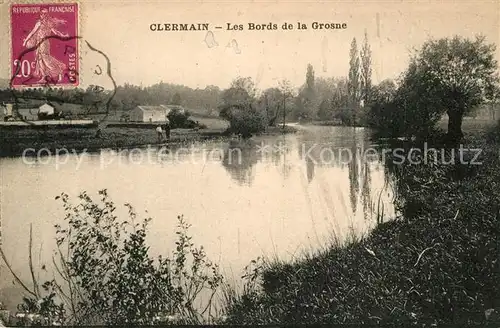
{"points": [[386, 119], [179, 119], [106, 275], [244, 120]]}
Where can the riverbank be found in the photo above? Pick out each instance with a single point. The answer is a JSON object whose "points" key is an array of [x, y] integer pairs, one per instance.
{"points": [[437, 263], [13, 142]]}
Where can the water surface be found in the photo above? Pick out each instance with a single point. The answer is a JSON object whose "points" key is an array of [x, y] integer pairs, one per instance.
{"points": [[278, 196]]}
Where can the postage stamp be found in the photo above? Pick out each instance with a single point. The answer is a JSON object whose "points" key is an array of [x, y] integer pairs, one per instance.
{"points": [[44, 45]]}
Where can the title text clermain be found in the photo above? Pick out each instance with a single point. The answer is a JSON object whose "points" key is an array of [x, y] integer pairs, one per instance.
{"points": [[248, 26]]}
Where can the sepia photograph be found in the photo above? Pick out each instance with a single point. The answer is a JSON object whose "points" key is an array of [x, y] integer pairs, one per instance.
{"points": [[249, 163]]}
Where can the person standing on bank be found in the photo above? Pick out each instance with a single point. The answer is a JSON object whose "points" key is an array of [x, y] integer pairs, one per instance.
{"points": [[159, 133]]}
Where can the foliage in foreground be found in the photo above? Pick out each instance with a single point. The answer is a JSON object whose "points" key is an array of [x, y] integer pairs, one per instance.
{"points": [[436, 264], [106, 275]]}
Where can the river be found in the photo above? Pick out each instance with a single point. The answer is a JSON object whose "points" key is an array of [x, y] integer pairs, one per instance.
{"points": [[279, 196]]}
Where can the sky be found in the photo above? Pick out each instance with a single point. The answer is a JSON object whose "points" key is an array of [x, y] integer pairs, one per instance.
{"points": [[121, 30]]}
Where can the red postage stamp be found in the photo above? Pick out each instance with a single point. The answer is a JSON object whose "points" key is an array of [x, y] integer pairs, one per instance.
{"points": [[44, 45]]}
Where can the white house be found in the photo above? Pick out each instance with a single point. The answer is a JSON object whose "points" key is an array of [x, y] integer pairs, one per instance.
{"points": [[149, 114], [46, 109]]}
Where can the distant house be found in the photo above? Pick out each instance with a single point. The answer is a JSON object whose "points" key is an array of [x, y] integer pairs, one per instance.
{"points": [[26, 114], [149, 113], [46, 109]]}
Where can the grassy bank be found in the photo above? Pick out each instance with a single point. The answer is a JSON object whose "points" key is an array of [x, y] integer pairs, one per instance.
{"points": [[13, 142], [437, 263]]}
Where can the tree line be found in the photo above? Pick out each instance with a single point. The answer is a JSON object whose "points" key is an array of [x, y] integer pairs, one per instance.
{"points": [[340, 100], [449, 76], [94, 98]]}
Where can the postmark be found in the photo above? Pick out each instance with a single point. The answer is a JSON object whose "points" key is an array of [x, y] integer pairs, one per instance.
{"points": [[44, 45]]}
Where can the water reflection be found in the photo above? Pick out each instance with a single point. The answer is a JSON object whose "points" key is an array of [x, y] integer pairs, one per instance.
{"points": [[240, 157], [280, 154], [239, 160], [310, 169], [353, 166], [344, 149], [366, 192]]}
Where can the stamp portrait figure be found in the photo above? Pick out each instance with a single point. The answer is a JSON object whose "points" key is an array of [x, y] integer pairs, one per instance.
{"points": [[46, 66]]}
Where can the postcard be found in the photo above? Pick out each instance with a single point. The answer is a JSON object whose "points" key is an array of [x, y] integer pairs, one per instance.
{"points": [[249, 162]]}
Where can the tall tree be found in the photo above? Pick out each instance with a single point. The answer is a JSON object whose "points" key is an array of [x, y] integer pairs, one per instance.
{"points": [[310, 78], [309, 102], [287, 92], [245, 83], [366, 70], [353, 85], [458, 73], [306, 103], [240, 93]]}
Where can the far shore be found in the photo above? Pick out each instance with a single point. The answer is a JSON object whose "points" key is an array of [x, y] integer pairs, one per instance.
{"points": [[15, 141]]}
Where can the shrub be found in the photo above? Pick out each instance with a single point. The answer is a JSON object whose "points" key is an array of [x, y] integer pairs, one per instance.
{"points": [[106, 275], [178, 119], [244, 120]]}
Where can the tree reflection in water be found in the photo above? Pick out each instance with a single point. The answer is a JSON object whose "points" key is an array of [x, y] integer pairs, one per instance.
{"points": [[239, 159], [345, 151], [366, 191], [309, 169], [281, 148], [353, 167]]}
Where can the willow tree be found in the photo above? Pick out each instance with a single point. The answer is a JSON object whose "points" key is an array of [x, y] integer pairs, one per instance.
{"points": [[460, 74]]}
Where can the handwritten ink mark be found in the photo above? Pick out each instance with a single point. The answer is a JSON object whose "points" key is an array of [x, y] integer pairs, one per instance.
{"points": [[234, 44], [210, 40], [98, 72]]}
